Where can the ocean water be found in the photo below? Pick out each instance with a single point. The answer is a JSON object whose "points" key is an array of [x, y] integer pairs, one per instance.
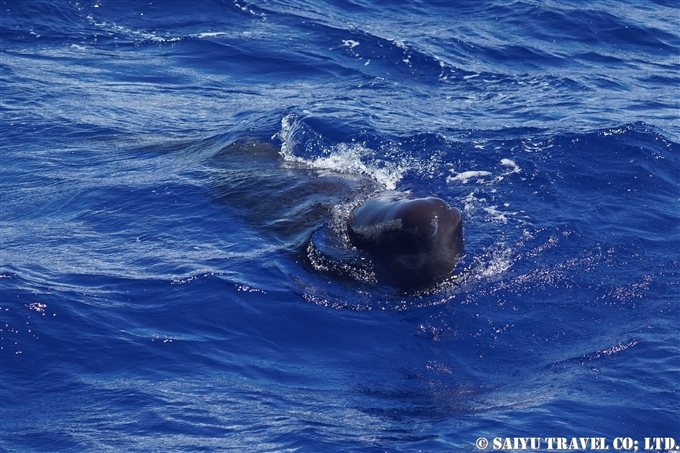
{"points": [[176, 180]]}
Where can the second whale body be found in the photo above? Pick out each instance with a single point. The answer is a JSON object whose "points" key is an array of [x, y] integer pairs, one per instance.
{"points": [[418, 240]]}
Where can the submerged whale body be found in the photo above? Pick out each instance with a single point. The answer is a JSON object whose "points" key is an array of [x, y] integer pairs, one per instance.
{"points": [[418, 240]]}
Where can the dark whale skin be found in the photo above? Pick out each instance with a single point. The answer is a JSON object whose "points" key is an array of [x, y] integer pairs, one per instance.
{"points": [[418, 240]]}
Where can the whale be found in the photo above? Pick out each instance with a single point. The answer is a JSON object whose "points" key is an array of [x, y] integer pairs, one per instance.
{"points": [[418, 240], [332, 221]]}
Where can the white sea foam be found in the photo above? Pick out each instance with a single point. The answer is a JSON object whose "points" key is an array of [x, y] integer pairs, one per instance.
{"points": [[465, 176], [480, 175], [511, 163], [350, 43], [349, 158], [213, 34], [498, 216], [496, 262]]}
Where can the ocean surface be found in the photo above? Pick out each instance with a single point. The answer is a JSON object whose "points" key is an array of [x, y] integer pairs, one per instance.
{"points": [[176, 179]]}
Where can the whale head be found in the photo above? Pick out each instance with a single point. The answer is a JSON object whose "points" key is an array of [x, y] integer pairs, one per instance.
{"points": [[418, 240]]}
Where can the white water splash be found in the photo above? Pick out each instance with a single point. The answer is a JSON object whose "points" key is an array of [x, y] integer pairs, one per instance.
{"points": [[510, 163], [466, 176], [348, 158]]}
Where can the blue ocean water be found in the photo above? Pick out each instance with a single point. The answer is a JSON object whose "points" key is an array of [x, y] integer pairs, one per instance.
{"points": [[175, 183]]}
